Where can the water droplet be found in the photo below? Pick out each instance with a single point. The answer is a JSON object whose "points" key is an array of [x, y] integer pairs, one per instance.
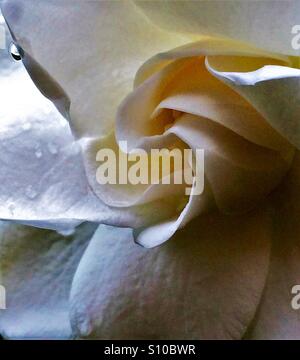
{"points": [[77, 149], [2, 21], [15, 52], [52, 148], [67, 232], [47, 110], [30, 192], [11, 208], [38, 153], [26, 126], [85, 327]]}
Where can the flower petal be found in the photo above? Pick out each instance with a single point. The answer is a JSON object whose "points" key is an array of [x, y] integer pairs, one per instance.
{"points": [[273, 90], [37, 268], [88, 50], [205, 283], [276, 318], [239, 20], [178, 80], [43, 180]]}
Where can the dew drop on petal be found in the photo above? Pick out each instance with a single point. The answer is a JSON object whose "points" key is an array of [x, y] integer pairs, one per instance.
{"points": [[11, 208], [30, 192], [26, 126], [52, 148], [15, 52], [67, 232], [38, 153]]}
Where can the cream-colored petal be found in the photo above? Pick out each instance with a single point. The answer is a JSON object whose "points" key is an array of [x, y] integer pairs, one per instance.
{"points": [[235, 168], [204, 284], [181, 74], [210, 46], [265, 24], [43, 180], [37, 268], [91, 48], [239, 172], [273, 90], [158, 201], [276, 318]]}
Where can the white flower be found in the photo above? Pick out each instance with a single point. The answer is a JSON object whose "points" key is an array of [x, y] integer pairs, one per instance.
{"points": [[236, 91]]}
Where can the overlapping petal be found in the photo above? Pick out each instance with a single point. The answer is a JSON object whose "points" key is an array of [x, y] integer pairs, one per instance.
{"points": [[276, 317], [265, 24], [204, 284], [178, 81], [43, 179], [273, 90], [103, 45], [37, 268], [208, 281]]}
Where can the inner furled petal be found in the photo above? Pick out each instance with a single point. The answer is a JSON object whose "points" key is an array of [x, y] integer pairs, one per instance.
{"points": [[123, 192], [186, 86], [245, 158], [200, 93], [239, 172], [91, 48], [245, 64], [133, 116], [209, 46]]}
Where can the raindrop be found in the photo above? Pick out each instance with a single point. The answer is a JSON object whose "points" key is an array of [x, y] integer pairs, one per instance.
{"points": [[15, 52], [67, 232], [76, 149], [38, 153], [52, 148], [47, 110], [26, 126], [11, 208], [30, 192]]}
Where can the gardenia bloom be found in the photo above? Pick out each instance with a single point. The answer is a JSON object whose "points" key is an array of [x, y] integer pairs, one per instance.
{"points": [[219, 76]]}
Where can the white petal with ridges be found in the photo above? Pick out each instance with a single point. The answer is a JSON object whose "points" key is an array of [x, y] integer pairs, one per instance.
{"points": [[204, 284], [264, 24], [37, 268]]}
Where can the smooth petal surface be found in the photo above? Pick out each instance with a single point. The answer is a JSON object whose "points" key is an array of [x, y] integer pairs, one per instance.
{"points": [[37, 268], [276, 318], [236, 138], [43, 180], [273, 90], [205, 283], [265, 24], [95, 61], [42, 176], [180, 74]]}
